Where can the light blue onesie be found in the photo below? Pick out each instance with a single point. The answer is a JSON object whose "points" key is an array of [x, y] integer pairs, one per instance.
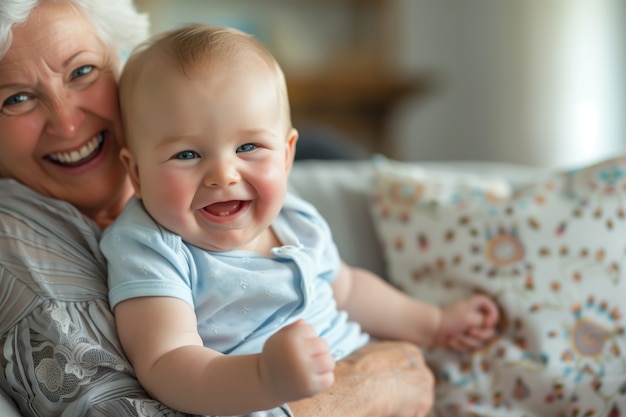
{"points": [[240, 298]]}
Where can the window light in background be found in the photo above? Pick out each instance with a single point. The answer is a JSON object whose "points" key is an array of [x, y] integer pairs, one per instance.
{"points": [[533, 82]]}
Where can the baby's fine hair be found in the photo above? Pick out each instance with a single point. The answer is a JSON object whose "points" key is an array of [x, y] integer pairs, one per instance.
{"points": [[190, 50], [117, 23], [196, 45]]}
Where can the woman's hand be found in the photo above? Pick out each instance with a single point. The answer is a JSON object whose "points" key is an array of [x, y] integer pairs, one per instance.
{"points": [[384, 379]]}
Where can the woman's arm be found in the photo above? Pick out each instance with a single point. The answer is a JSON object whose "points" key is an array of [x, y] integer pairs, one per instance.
{"points": [[384, 379]]}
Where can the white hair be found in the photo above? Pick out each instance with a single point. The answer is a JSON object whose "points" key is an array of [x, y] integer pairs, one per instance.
{"points": [[116, 22]]}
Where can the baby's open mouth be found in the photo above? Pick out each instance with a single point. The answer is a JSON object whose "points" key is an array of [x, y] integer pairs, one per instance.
{"points": [[225, 208], [80, 156]]}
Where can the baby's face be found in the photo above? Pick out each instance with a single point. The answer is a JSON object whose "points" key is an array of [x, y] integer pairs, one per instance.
{"points": [[212, 154]]}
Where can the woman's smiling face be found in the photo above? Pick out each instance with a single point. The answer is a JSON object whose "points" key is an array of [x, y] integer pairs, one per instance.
{"points": [[60, 127]]}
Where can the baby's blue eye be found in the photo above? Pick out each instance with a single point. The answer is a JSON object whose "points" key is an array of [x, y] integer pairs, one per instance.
{"points": [[247, 147], [186, 155], [82, 71]]}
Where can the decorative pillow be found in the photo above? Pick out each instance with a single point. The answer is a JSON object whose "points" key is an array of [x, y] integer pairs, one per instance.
{"points": [[552, 254]]}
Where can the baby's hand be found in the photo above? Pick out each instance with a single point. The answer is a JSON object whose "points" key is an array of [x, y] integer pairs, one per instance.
{"points": [[466, 325], [296, 363]]}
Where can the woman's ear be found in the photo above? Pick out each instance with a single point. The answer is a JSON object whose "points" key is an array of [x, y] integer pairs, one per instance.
{"points": [[132, 168], [290, 148]]}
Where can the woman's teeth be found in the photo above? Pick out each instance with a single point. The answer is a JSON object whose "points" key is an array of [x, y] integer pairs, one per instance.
{"points": [[78, 155]]}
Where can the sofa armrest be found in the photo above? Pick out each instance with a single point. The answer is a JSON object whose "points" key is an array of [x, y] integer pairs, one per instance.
{"points": [[340, 192]]}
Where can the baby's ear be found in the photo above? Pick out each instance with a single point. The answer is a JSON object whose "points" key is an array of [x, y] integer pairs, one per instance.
{"points": [[290, 148], [133, 170]]}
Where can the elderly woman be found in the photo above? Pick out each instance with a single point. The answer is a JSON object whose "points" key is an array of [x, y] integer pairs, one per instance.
{"points": [[62, 183]]}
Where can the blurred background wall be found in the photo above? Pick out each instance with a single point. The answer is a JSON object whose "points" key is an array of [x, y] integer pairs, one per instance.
{"points": [[540, 82]]}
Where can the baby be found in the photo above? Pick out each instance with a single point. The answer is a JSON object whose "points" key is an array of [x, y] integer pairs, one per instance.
{"points": [[228, 291]]}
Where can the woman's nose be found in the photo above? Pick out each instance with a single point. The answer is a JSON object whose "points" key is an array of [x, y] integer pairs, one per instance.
{"points": [[221, 174], [65, 117]]}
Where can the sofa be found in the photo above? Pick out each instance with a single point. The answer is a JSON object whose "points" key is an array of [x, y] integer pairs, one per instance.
{"points": [[548, 245]]}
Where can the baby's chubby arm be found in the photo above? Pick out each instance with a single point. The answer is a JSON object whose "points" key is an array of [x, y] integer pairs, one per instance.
{"points": [[387, 313], [382, 310], [160, 338]]}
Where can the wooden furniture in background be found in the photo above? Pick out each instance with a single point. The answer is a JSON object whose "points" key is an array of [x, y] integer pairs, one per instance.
{"points": [[357, 89], [357, 104]]}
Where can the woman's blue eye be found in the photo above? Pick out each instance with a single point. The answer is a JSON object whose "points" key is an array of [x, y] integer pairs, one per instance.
{"points": [[247, 147], [15, 99], [82, 71], [186, 155]]}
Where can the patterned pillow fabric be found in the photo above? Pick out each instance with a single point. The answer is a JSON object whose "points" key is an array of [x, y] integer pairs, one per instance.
{"points": [[553, 256]]}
